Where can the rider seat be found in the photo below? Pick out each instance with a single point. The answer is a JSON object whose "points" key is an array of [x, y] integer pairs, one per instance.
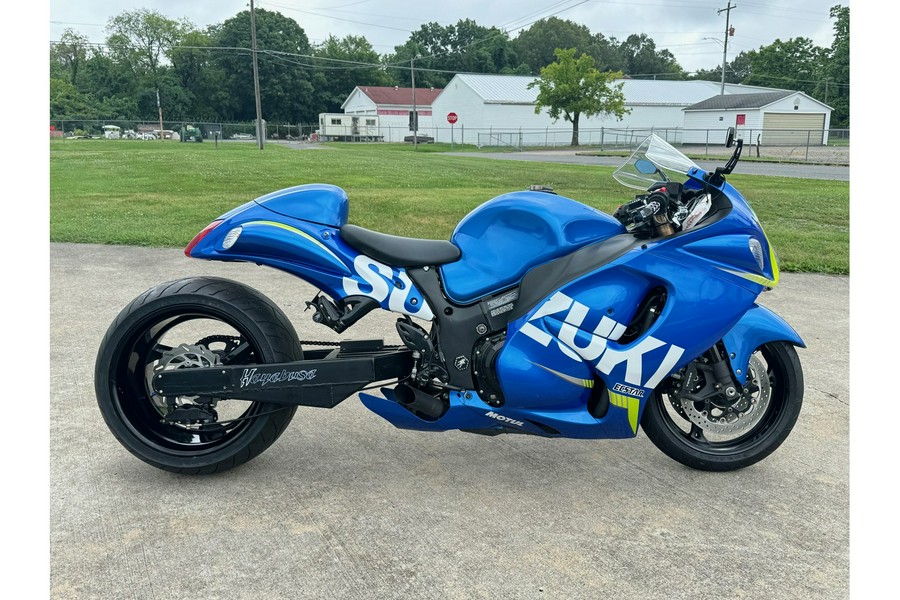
{"points": [[397, 251]]}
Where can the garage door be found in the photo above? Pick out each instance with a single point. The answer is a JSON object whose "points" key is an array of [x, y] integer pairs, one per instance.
{"points": [[793, 129]]}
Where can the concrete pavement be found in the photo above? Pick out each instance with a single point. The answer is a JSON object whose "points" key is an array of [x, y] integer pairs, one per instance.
{"points": [[345, 506]]}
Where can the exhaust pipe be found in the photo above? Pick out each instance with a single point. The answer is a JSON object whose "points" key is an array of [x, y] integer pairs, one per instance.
{"points": [[419, 403]]}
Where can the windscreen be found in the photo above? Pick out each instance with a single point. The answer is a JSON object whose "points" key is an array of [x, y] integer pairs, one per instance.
{"points": [[668, 163]]}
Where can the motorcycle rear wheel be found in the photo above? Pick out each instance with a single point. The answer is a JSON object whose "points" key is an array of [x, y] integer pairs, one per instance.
{"points": [[197, 321], [699, 443]]}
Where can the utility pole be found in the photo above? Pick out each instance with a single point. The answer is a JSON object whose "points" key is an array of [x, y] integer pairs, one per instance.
{"points": [[159, 108], [412, 69], [260, 130], [728, 32]]}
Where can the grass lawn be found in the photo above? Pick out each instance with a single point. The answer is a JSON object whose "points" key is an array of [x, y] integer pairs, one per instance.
{"points": [[162, 193]]}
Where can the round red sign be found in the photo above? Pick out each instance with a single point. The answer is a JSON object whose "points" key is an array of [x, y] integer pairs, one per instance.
{"points": [[452, 117]]}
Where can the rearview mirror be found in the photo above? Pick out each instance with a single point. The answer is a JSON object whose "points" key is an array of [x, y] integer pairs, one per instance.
{"points": [[645, 166], [729, 137]]}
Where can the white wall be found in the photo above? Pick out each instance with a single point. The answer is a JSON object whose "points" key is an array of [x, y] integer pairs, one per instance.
{"points": [[502, 122], [359, 103], [710, 126]]}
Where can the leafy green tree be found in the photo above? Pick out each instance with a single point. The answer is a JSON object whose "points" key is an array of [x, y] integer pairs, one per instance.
{"points": [[793, 63], [465, 47], [69, 54], [834, 88], [536, 46], [607, 53], [335, 80], [285, 79], [572, 87], [140, 38], [735, 72], [197, 74], [643, 58], [103, 77], [67, 101]]}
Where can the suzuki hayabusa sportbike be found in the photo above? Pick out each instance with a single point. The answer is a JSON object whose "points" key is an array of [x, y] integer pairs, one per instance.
{"points": [[539, 316]]}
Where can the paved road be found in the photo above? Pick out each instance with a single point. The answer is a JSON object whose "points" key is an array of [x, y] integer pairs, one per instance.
{"points": [[749, 168], [345, 506]]}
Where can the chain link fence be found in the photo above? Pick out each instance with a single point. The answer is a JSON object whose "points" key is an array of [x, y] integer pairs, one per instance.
{"points": [[831, 146], [74, 128], [805, 145]]}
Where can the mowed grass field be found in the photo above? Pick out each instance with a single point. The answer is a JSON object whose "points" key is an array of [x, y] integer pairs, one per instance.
{"points": [[151, 193]]}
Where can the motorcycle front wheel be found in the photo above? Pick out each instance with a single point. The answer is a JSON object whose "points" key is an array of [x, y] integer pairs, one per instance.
{"points": [[722, 436], [192, 323]]}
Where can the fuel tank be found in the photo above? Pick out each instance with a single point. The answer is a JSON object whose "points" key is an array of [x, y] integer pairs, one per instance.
{"points": [[505, 237]]}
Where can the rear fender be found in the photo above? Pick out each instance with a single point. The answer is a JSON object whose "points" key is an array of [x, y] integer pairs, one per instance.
{"points": [[758, 326], [312, 251]]}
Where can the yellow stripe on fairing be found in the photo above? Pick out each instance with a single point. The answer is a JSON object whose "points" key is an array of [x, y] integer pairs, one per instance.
{"points": [[629, 403], [299, 232]]}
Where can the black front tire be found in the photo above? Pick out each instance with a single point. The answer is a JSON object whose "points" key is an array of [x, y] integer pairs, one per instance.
{"points": [[691, 444], [197, 311]]}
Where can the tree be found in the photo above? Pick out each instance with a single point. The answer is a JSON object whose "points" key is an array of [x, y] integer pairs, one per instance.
{"points": [[440, 51], [140, 37], [69, 54], [642, 58], [735, 72], [285, 74], [536, 46], [67, 101], [335, 80], [572, 87], [791, 63], [834, 89], [196, 72]]}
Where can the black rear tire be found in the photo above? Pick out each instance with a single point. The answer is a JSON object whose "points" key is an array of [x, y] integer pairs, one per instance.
{"points": [[691, 442], [202, 313]]}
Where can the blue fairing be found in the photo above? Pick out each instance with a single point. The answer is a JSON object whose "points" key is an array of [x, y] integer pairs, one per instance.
{"points": [[297, 230], [317, 203], [757, 327], [505, 237]]}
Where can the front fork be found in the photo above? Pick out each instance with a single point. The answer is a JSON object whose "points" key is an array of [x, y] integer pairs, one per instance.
{"points": [[709, 379]]}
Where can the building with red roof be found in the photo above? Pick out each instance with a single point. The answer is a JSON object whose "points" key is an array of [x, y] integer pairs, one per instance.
{"points": [[392, 106]]}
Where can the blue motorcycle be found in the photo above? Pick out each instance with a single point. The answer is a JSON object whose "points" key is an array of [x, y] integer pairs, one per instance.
{"points": [[540, 316]]}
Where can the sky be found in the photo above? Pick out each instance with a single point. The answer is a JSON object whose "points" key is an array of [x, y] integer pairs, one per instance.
{"points": [[681, 26]]}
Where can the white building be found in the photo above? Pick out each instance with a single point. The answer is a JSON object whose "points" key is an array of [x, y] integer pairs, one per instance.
{"points": [[499, 110], [392, 106], [775, 118]]}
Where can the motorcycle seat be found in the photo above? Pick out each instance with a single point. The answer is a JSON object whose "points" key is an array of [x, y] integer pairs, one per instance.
{"points": [[396, 251]]}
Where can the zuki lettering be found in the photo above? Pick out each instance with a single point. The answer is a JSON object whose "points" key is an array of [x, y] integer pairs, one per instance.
{"points": [[250, 377], [593, 345], [381, 278]]}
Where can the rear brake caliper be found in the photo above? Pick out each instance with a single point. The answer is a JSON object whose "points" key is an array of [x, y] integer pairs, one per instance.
{"points": [[188, 410]]}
